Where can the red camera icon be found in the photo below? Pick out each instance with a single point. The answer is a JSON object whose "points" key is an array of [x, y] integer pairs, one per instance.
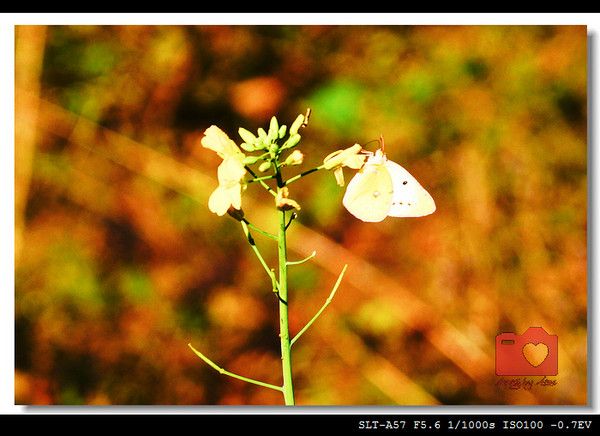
{"points": [[535, 352]]}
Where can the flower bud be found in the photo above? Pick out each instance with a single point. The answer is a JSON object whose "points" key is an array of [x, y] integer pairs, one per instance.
{"points": [[247, 136], [292, 141], [282, 131], [273, 130], [263, 141], [295, 158], [264, 166], [296, 124], [250, 160], [248, 147]]}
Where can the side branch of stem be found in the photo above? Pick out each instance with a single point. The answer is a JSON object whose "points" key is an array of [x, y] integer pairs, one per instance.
{"points": [[261, 181], [256, 251], [305, 173], [327, 302], [231, 374], [259, 230], [306, 259]]}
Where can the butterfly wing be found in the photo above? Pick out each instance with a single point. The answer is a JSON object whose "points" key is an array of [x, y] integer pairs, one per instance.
{"points": [[409, 198], [369, 194]]}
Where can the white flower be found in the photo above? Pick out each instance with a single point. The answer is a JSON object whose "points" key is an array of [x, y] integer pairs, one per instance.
{"points": [[230, 173], [349, 157], [217, 140], [229, 192]]}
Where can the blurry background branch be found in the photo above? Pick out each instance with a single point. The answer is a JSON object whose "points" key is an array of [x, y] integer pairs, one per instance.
{"points": [[29, 54]]}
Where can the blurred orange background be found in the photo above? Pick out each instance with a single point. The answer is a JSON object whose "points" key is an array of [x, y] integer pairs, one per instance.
{"points": [[119, 263]]}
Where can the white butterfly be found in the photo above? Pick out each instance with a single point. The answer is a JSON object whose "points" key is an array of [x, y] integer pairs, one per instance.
{"points": [[383, 188]]}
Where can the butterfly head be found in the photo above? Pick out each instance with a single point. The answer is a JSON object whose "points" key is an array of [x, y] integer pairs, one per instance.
{"points": [[377, 157]]}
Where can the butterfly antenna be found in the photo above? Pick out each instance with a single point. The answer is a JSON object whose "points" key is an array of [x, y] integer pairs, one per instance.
{"points": [[370, 142], [382, 143]]}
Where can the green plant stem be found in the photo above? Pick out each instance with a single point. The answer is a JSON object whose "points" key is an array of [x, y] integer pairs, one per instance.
{"points": [[259, 256], [262, 182], [327, 302], [260, 179], [284, 332], [231, 374], [261, 231], [305, 173]]}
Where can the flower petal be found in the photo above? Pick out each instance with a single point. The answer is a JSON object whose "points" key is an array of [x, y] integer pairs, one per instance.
{"points": [[219, 201], [230, 172], [348, 157], [356, 161], [217, 140], [339, 176], [235, 196]]}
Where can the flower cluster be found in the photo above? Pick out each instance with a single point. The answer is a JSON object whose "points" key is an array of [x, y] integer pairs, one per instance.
{"points": [[266, 149]]}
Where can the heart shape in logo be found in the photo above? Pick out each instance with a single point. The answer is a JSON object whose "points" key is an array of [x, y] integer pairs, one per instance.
{"points": [[535, 353]]}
